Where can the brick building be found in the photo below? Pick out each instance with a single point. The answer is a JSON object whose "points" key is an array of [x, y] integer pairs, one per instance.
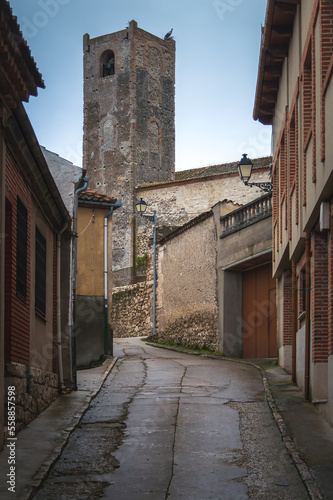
{"points": [[32, 222], [295, 95]]}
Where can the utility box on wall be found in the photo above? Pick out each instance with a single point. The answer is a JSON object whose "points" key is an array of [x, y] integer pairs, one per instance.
{"points": [[324, 219]]}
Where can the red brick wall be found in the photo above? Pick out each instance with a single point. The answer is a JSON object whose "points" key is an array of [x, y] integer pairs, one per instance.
{"points": [[280, 183], [17, 309], [287, 330], [283, 183], [293, 161], [319, 297], [330, 285], [323, 16], [8, 275], [307, 120], [326, 42], [322, 243], [314, 111]]}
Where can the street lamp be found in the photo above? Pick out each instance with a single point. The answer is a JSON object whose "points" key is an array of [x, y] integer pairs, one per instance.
{"points": [[141, 207], [245, 170]]}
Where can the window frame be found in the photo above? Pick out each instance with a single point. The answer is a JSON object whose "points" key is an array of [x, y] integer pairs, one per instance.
{"points": [[106, 57]]}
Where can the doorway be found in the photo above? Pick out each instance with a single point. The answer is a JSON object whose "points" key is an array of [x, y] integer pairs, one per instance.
{"points": [[259, 327]]}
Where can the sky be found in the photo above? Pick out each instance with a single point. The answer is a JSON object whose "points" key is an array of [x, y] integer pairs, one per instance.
{"points": [[217, 56]]}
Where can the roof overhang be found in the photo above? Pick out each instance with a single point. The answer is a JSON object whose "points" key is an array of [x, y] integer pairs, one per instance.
{"points": [[21, 140], [251, 262], [94, 199], [276, 35], [19, 75]]}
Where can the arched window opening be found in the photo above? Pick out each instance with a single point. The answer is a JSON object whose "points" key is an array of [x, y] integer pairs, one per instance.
{"points": [[107, 63]]}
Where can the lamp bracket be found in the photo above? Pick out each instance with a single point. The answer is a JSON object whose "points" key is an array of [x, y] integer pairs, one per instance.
{"points": [[264, 186], [149, 217]]}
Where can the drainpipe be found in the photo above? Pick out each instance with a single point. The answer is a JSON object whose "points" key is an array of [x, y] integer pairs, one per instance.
{"points": [[307, 317], [59, 343], [154, 279], [113, 207], [294, 320], [74, 262]]}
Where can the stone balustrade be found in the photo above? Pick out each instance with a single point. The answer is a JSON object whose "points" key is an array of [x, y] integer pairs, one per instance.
{"points": [[246, 215]]}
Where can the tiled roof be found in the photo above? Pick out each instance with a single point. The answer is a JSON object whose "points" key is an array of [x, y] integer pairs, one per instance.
{"points": [[224, 168], [186, 226], [17, 45], [273, 52], [210, 171], [95, 197]]}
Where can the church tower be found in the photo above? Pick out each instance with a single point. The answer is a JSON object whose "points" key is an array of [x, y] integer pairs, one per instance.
{"points": [[129, 131]]}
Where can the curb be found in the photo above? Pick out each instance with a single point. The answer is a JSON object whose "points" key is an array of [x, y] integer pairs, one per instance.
{"points": [[302, 468], [44, 469], [288, 441]]}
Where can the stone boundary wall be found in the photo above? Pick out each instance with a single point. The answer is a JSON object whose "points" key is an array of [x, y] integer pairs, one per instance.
{"points": [[35, 390], [186, 292], [196, 329], [131, 312]]}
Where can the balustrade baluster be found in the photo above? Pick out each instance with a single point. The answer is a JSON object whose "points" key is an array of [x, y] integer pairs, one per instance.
{"points": [[246, 215]]}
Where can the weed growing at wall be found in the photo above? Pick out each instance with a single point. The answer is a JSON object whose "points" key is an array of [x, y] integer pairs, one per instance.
{"points": [[195, 348], [141, 262]]}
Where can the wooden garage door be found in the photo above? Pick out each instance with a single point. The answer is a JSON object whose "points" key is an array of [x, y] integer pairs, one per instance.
{"points": [[259, 313]]}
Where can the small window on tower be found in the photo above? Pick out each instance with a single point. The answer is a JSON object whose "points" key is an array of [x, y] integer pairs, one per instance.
{"points": [[107, 63]]}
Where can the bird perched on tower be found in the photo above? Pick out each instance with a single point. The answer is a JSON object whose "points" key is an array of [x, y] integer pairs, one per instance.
{"points": [[168, 35]]}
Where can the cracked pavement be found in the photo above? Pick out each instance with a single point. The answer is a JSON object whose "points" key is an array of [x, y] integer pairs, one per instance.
{"points": [[168, 425]]}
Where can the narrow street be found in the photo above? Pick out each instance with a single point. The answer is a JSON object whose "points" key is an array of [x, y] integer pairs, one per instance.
{"points": [[169, 425]]}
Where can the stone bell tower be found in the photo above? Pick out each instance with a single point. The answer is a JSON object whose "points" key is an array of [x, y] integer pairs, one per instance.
{"points": [[129, 132]]}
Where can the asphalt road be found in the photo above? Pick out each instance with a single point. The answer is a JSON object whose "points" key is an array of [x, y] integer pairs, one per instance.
{"points": [[169, 425]]}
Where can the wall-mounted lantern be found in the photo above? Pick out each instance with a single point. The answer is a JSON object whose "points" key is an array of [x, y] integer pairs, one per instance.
{"points": [[245, 171]]}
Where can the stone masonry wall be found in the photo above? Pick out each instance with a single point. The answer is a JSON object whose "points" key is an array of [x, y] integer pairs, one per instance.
{"points": [[129, 133], [131, 313], [186, 291], [195, 329], [179, 202], [35, 390]]}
